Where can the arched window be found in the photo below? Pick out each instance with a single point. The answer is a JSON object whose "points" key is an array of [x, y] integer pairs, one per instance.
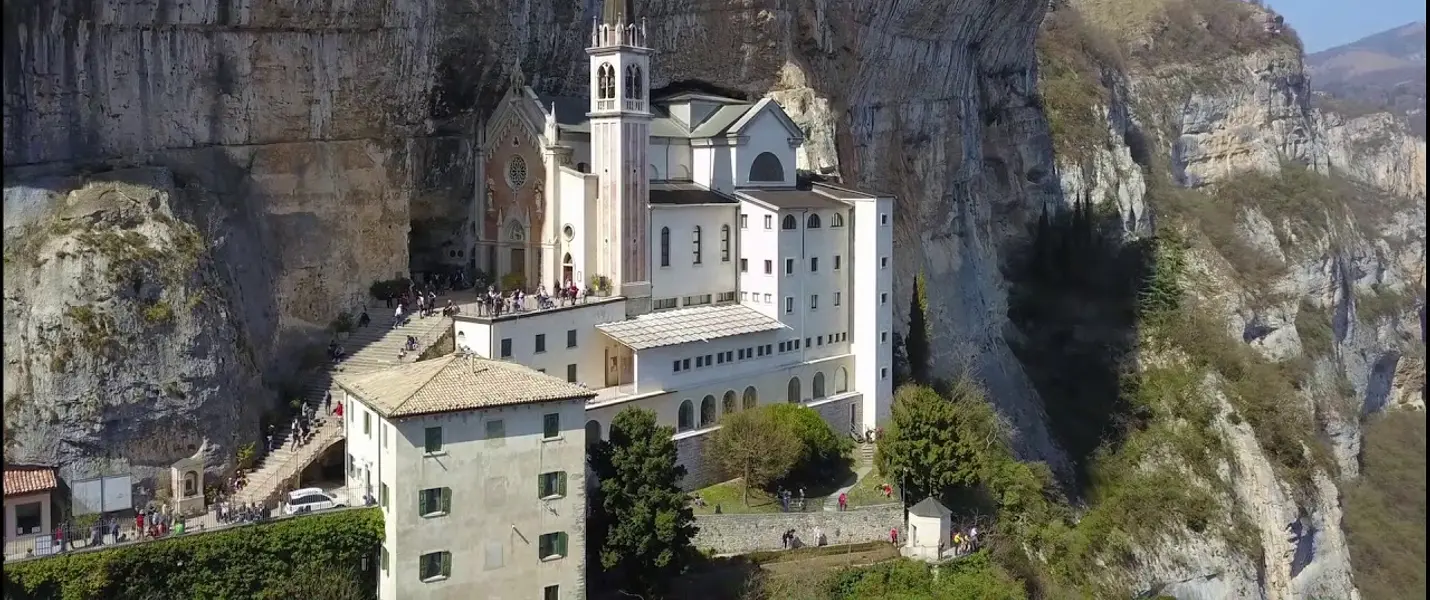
{"points": [[593, 432], [767, 167], [727, 404], [638, 83], [665, 246], [707, 411], [605, 81], [818, 385], [695, 240], [789, 222], [191, 484], [841, 380], [630, 82], [724, 243], [685, 421], [812, 222], [750, 399], [792, 392], [836, 220]]}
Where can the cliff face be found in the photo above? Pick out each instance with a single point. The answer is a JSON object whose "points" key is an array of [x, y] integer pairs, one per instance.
{"points": [[333, 144]]}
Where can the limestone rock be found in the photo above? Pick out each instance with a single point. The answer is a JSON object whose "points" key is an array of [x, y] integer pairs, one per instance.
{"points": [[122, 355]]}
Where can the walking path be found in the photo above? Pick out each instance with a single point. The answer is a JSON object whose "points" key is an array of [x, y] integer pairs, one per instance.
{"points": [[862, 466], [377, 346]]}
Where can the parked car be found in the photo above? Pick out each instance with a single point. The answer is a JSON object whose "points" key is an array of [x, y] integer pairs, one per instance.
{"points": [[309, 500]]}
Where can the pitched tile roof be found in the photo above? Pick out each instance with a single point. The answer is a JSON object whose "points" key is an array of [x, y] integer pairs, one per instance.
{"points": [[702, 323], [456, 382], [21, 480], [930, 508]]}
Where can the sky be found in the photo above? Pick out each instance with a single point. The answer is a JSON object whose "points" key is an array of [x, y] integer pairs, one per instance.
{"points": [[1326, 24]]}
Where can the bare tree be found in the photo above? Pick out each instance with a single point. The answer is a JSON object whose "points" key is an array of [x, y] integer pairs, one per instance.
{"points": [[752, 444]]}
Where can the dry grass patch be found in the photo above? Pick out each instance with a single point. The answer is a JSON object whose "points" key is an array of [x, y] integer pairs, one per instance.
{"points": [[1385, 509]]}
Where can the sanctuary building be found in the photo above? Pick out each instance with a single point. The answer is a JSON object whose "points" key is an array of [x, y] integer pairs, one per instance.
{"points": [[727, 283]]}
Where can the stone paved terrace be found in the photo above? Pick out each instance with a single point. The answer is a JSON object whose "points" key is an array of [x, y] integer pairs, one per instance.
{"points": [[376, 346]]}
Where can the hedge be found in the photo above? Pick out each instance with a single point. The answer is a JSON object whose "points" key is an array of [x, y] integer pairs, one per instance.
{"points": [[245, 562]]}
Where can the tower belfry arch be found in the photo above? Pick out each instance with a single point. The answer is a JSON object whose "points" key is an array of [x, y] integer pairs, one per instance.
{"points": [[620, 138]]}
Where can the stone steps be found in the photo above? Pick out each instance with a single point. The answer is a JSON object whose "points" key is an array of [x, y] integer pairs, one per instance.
{"points": [[376, 346]]}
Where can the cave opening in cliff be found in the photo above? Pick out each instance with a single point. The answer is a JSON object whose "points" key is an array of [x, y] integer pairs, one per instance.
{"points": [[699, 87]]}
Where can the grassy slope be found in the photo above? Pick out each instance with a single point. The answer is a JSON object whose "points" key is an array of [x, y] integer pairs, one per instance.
{"points": [[1385, 510]]}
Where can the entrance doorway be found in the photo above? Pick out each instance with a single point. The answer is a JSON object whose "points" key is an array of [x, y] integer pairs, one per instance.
{"points": [[613, 369]]}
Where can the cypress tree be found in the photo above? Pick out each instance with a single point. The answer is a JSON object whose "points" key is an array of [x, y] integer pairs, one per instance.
{"points": [[916, 344]]}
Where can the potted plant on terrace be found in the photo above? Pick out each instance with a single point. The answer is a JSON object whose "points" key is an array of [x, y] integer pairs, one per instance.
{"points": [[601, 285]]}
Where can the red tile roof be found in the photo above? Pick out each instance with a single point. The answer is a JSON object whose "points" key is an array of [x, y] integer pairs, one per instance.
{"points": [[29, 480]]}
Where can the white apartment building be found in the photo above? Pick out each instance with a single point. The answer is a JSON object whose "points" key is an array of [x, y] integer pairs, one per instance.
{"points": [[479, 469], [732, 284]]}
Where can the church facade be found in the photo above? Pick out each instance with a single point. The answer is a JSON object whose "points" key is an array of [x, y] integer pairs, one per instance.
{"points": [[726, 282]]}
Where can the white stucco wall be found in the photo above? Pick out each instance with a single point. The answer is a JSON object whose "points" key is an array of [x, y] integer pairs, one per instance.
{"points": [[872, 306], [759, 242], [765, 133], [683, 277], [496, 518], [713, 165], [486, 336], [671, 158]]}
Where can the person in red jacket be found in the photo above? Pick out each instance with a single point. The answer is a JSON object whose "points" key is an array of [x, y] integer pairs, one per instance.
{"points": [[338, 411]]}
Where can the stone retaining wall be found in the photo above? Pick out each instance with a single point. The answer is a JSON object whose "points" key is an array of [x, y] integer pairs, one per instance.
{"points": [[739, 534]]}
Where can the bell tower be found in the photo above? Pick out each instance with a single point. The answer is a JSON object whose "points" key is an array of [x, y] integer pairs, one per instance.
{"points": [[620, 140]]}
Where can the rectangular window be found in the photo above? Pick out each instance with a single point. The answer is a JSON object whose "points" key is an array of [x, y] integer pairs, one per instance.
{"points": [[814, 302], [744, 265], [768, 347], [789, 304], [699, 361], [699, 300], [769, 267], [553, 592], [367, 423], [695, 242], [676, 366], [434, 502], [666, 303], [724, 243], [496, 429], [709, 360], [761, 350], [883, 337], [836, 298], [819, 341], [883, 262], [436, 566], [767, 299], [685, 364], [551, 545], [506, 347], [789, 266], [884, 219], [769, 222], [884, 373], [814, 264], [744, 296], [720, 358], [742, 354], [883, 298], [837, 262], [806, 342], [432, 440], [783, 345], [551, 425], [725, 297], [540, 343], [570, 373], [551, 485], [570, 338], [382, 494], [744, 221]]}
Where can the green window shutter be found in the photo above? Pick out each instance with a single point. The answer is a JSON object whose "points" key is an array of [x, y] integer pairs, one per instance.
{"points": [[446, 564], [561, 544], [561, 483], [446, 500]]}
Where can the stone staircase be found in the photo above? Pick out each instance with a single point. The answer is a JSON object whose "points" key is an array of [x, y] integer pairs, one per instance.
{"points": [[866, 454], [376, 346]]}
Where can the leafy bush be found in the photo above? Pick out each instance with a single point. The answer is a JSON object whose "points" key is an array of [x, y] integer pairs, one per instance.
{"points": [[1314, 327], [389, 288], [158, 312], [513, 281], [824, 453], [975, 576], [247, 453], [259, 561]]}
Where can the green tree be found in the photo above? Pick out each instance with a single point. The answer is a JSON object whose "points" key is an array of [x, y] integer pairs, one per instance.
{"points": [[917, 341], [755, 444], [822, 453], [644, 523], [934, 444], [328, 582]]}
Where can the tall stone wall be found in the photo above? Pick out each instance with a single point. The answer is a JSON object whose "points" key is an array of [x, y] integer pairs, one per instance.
{"points": [[739, 534]]}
